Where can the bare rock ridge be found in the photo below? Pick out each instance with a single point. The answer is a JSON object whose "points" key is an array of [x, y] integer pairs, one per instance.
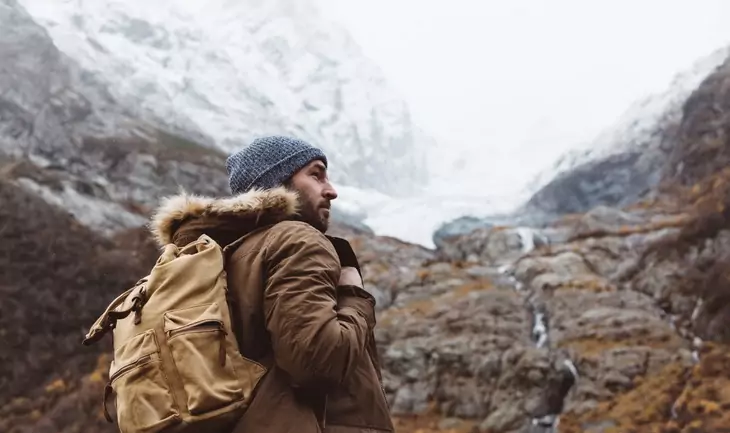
{"points": [[610, 319], [100, 163], [699, 147]]}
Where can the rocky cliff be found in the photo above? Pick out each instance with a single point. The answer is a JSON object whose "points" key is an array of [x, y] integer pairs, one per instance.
{"points": [[64, 136], [625, 309]]}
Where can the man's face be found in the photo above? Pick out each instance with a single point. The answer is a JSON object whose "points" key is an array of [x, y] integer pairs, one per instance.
{"points": [[315, 194]]}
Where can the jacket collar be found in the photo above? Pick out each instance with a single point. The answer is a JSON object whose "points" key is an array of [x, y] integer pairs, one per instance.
{"points": [[184, 217]]}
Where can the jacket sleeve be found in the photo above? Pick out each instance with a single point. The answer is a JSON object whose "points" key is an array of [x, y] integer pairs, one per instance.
{"points": [[314, 336]]}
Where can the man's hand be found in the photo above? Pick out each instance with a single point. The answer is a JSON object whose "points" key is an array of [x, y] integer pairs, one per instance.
{"points": [[349, 276]]}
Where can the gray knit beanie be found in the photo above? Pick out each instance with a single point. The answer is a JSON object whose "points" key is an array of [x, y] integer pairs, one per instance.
{"points": [[269, 162]]}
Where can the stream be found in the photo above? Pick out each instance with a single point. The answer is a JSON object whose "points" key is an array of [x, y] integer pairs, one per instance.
{"points": [[540, 325]]}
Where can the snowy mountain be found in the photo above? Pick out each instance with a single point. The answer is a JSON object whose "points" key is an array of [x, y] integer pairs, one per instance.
{"points": [[621, 164], [225, 72], [237, 70], [642, 124], [616, 167]]}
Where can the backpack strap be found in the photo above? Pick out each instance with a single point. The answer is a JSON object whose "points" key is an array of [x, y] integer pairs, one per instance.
{"points": [[108, 319], [228, 249]]}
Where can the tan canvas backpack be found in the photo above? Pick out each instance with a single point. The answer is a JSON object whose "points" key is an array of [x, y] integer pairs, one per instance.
{"points": [[176, 365]]}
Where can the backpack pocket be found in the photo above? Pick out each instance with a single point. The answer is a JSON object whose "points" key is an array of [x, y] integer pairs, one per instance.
{"points": [[197, 339], [144, 401]]}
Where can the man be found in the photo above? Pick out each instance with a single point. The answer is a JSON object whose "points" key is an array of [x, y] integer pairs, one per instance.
{"points": [[297, 310]]}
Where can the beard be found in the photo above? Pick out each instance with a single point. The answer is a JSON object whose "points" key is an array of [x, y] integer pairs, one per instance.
{"points": [[311, 214]]}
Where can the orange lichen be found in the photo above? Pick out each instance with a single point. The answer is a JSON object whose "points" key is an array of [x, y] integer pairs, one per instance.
{"points": [[569, 219], [431, 423], [592, 284], [704, 404], [459, 265], [592, 347], [646, 408], [100, 372], [677, 399], [472, 287], [673, 221], [417, 308], [57, 385], [423, 274]]}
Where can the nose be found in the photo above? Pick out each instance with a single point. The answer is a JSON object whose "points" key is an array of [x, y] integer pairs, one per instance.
{"points": [[329, 192]]}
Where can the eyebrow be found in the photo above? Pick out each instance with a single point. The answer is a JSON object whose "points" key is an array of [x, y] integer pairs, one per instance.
{"points": [[320, 165]]}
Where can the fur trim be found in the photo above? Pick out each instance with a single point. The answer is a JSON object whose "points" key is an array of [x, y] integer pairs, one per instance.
{"points": [[277, 203]]}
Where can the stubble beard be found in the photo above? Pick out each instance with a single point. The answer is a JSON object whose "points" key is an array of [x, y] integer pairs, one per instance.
{"points": [[311, 214]]}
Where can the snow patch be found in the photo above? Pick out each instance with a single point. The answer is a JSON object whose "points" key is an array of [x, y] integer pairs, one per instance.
{"points": [[105, 216]]}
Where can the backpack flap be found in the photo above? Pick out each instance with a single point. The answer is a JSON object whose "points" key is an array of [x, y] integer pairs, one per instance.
{"points": [[108, 319]]}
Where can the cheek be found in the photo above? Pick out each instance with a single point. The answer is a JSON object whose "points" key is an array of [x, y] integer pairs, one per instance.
{"points": [[310, 191], [309, 202], [313, 192]]}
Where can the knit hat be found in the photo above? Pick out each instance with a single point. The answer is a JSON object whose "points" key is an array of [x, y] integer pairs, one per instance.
{"points": [[268, 162]]}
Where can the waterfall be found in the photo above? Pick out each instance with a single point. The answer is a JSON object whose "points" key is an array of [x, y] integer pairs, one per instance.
{"points": [[539, 329], [527, 239]]}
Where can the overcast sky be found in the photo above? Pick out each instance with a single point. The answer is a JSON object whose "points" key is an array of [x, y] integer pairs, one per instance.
{"points": [[516, 79]]}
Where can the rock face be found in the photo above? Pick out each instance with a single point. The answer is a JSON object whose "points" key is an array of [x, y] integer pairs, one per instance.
{"points": [[63, 136], [614, 181], [699, 144], [238, 70], [457, 227], [48, 103], [633, 297], [614, 334]]}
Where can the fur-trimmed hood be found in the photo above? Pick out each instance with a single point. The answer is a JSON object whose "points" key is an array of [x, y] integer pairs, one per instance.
{"points": [[182, 218]]}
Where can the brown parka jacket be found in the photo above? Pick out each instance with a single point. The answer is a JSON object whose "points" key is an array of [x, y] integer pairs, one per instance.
{"points": [[315, 338]]}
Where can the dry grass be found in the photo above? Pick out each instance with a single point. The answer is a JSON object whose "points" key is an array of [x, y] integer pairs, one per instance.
{"points": [[589, 284], [595, 347], [677, 399], [674, 221], [57, 276], [646, 408], [705, 402], [431, 424]]}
